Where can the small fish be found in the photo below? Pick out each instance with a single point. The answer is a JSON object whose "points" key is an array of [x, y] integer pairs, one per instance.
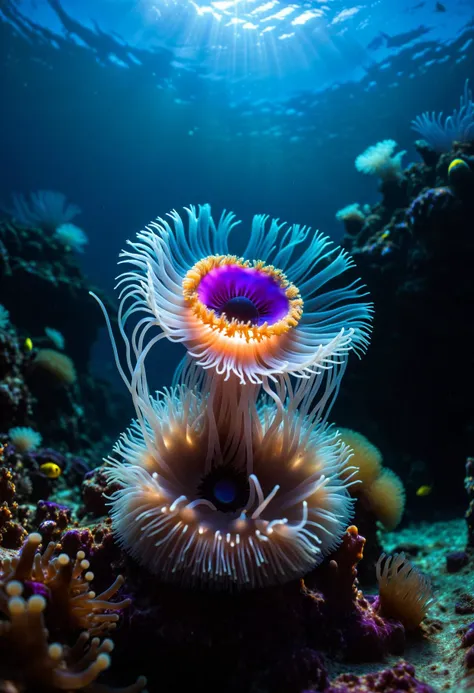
{"points": [[28, 344], [439, 7], [424, 491], [51, 470]]}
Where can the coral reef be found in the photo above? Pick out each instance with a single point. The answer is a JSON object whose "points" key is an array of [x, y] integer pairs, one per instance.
{"points": [[414, 266]]}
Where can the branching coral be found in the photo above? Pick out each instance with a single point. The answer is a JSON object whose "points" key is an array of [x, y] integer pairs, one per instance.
{"points": [[33, 664], [65, 584], [458, 127], [379, 160], [404, 593]]}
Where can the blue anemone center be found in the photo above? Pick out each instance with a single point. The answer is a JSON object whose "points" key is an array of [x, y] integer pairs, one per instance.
{"points": [[242, 309], [225, 491]]}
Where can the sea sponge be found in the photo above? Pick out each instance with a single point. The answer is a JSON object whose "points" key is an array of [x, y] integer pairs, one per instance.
{"points": [[24, 438], [365, 456], [405, 594], [378, 160], [56, 363], [386, 498]]}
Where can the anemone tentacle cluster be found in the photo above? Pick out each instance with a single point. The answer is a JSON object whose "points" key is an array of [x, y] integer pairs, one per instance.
{"points": [[233, 476]]}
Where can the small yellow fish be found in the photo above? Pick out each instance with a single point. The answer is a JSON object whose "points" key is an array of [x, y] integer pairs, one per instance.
{"points": [[51, 470], [424, 491], [28, 344], [385, 234]]}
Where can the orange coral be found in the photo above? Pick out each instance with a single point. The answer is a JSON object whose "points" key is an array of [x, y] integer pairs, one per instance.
{"points": [[404, 593]]}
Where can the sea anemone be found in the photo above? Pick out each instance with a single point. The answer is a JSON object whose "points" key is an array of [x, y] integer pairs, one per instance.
{"points": [[458, 127], [386, 498], [379, 160], [56, 363], [365, 457], [214, 491], [72, 237], [55, 336], [24, 438], [256, 316], [404, 593], [46, 210]]}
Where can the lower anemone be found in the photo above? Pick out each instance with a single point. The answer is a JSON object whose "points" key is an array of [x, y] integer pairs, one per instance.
{"points": [[206, 497]]}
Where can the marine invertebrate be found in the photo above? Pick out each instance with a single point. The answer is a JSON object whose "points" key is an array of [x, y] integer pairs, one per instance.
{"points": [[386, 498], [257, 316], [202, 500], [366, 457], [353, 218], [404, 592], [442, 133], [45, 209], [56, 337], [66, 586], [379, 160], [31, 662], [380, 489], [24, 438], [56, 363], [72, 237]]}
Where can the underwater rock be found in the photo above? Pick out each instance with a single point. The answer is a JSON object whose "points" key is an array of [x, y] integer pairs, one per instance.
{"points": [[400, 678]]}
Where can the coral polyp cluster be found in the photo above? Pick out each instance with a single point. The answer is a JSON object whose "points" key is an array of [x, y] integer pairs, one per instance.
{"points": [[65, 584]]}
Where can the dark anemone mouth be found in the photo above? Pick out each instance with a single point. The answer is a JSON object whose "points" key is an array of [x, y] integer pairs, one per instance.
{"points": [[226, 488], [244, 294]]}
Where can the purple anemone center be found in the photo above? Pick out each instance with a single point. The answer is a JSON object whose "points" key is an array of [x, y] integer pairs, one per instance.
{"points": [[244, 294]]}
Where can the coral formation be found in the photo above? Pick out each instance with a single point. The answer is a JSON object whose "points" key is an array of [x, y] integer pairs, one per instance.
{"points": [[24, 438], [72, 237], [404, 593], [379, 160]]}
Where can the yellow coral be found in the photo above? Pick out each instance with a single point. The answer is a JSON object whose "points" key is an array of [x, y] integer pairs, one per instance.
{"points": [[404, 593], [56, 363]]}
